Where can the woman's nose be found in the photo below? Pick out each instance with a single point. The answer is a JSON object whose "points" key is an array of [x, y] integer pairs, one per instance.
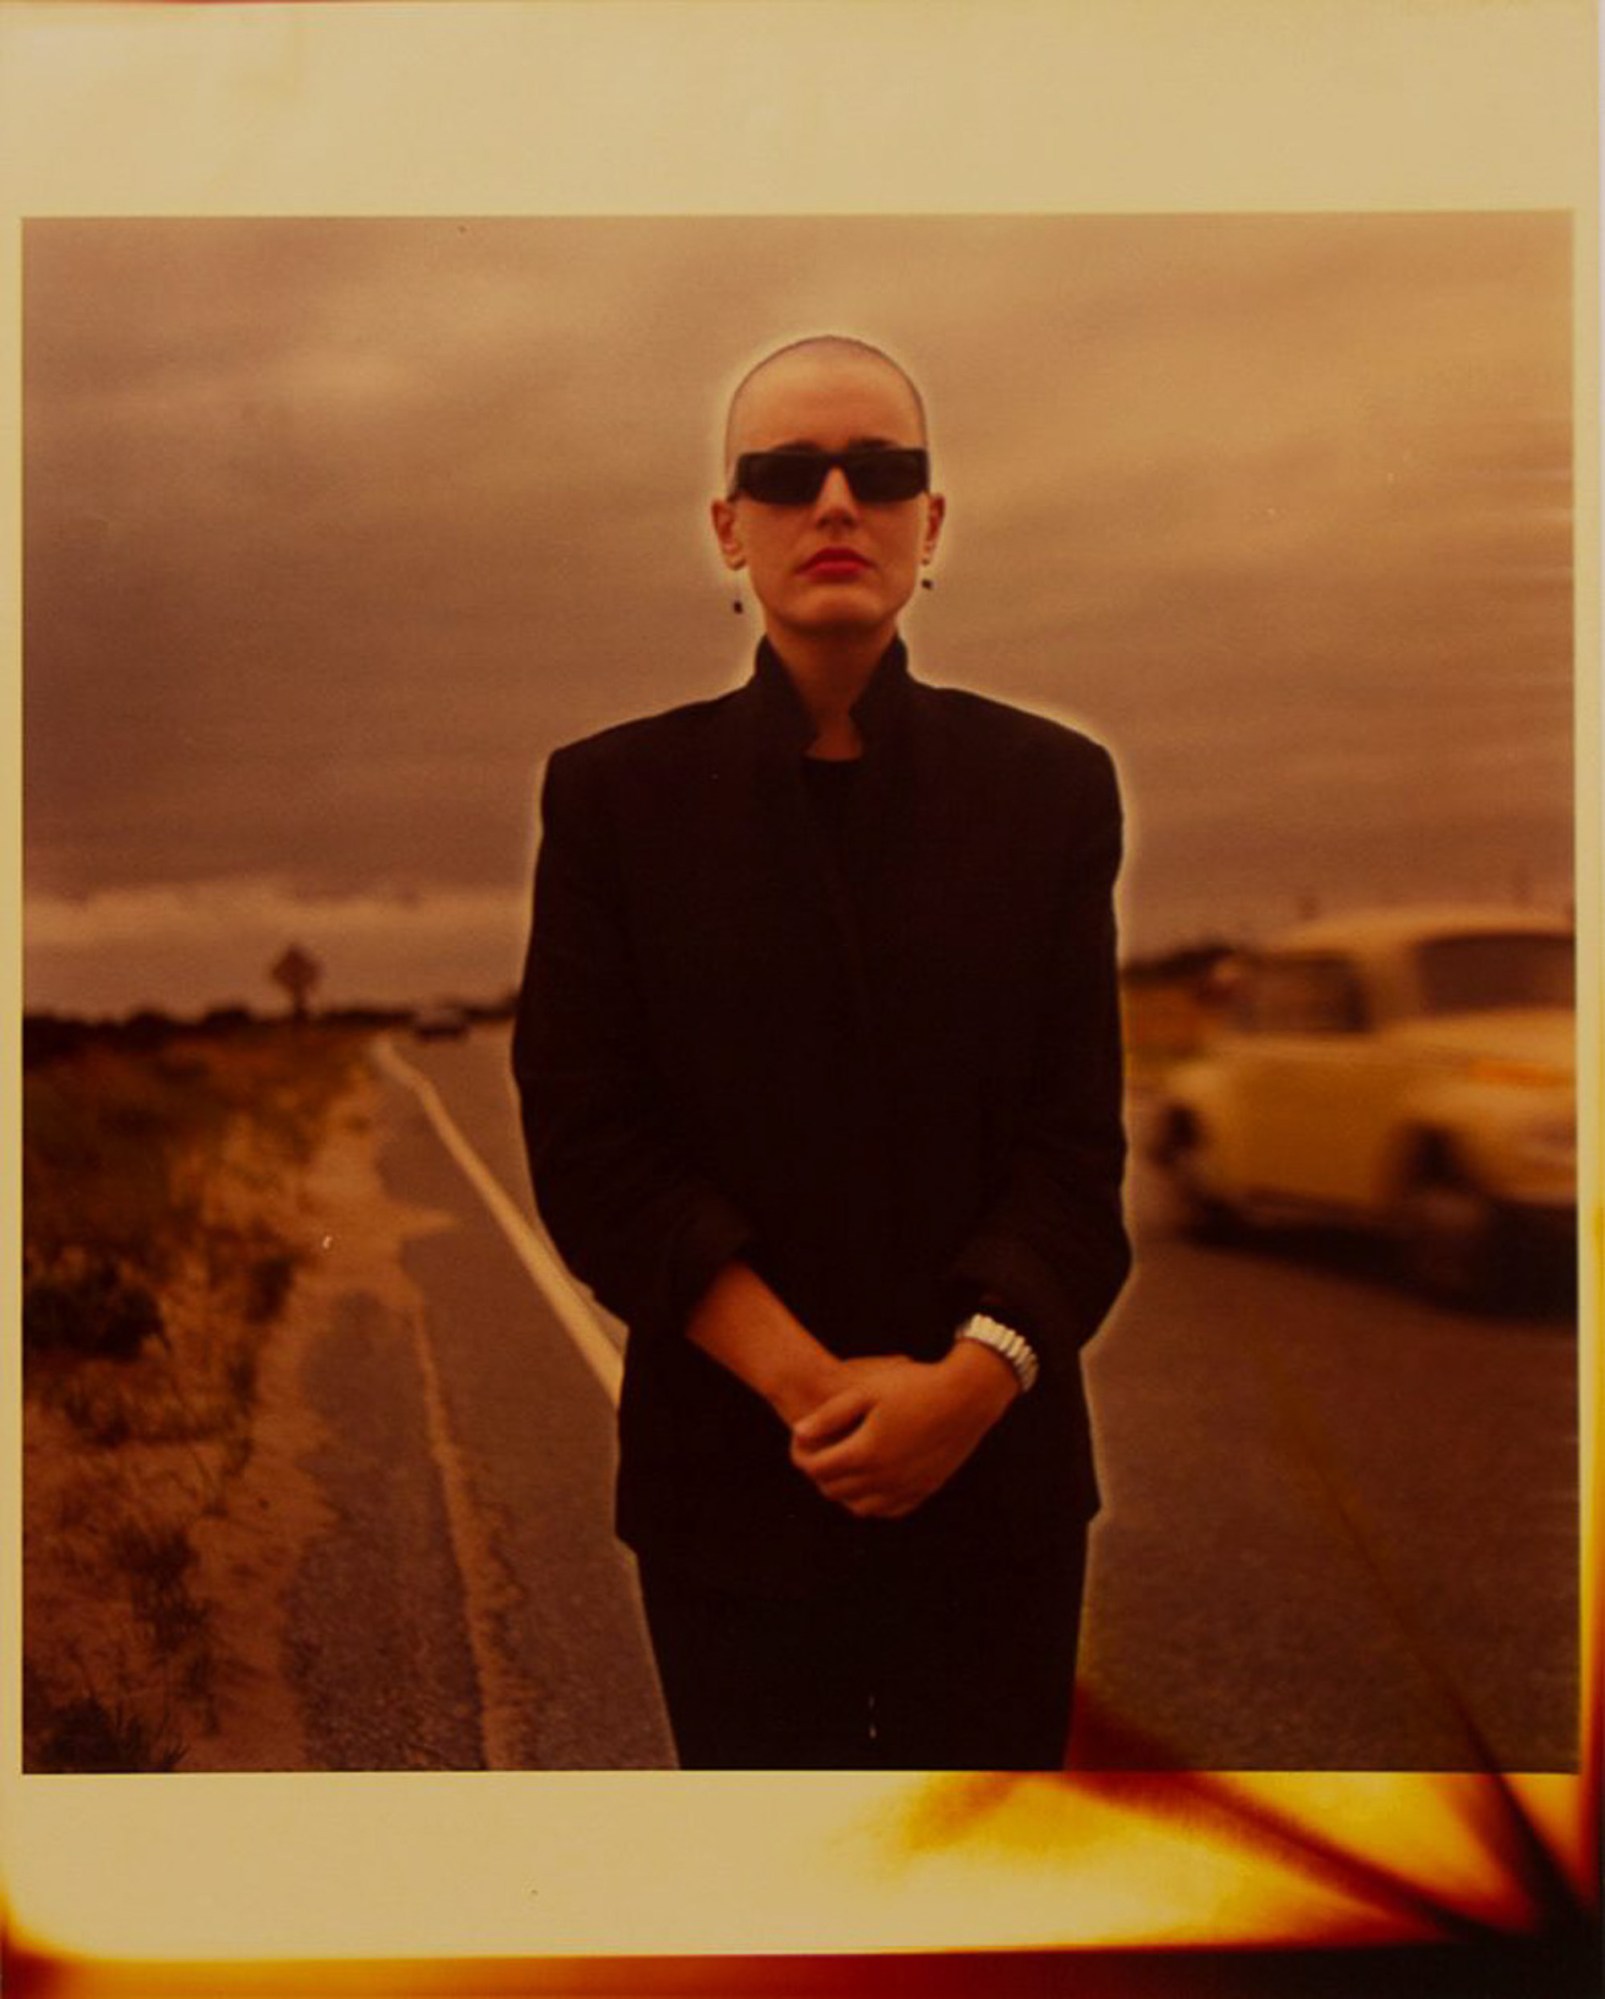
{"points": [[835, 496]]}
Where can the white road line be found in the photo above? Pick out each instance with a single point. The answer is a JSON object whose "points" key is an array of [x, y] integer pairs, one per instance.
{"points": [[507, 1699], [553, 1282]]}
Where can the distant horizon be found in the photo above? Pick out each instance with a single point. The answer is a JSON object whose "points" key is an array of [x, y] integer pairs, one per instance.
{"points": [[100, 1000]]}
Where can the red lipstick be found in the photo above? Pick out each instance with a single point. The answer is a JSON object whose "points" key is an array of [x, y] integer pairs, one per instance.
{"points": [[836, 564]]}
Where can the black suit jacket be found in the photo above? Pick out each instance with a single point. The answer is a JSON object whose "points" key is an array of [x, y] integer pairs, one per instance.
{"points": [[893, 1087]]}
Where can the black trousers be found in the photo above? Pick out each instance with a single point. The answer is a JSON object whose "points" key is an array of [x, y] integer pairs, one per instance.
{"points": [[896, 1669]]}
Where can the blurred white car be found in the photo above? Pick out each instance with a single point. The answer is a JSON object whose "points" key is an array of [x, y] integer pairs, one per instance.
{"points": [[1412, 1072]]}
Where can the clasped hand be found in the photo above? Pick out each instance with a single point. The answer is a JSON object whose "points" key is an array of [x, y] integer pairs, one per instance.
{"points": [[895, 1430]]}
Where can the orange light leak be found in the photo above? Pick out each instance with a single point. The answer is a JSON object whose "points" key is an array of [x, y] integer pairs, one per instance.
{"points": [[1297, 1884]]}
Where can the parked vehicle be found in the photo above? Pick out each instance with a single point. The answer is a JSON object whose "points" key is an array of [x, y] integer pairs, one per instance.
{"points": [[1410, 1072], [442, 1022]]}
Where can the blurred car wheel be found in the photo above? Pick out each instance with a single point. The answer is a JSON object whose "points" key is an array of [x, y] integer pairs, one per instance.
{"points": [[1450, 1235], [1198, 1212]]}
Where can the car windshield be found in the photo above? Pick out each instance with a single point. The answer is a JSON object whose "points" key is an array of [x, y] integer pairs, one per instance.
{"points": [[1496, 969]]}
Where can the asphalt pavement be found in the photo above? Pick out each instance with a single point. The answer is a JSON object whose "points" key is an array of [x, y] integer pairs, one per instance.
{"points": [[1340, 1525]]}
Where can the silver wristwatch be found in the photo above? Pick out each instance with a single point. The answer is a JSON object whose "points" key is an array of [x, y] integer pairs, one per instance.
{"points": [[1006, 1343]]}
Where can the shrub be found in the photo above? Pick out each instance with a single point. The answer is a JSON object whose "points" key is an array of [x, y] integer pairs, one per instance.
{"points": [[157, 1562], [88, 1737], [87, 1306], [267, 1285]]}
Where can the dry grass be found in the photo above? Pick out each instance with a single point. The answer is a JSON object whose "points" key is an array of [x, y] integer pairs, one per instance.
{"points": [[163, 1227]]}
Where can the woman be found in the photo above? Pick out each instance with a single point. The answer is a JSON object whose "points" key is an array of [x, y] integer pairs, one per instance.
{"points": [[818, 1053]]}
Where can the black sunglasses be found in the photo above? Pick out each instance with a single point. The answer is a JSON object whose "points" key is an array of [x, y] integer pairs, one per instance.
{"points": [[793, 478]]}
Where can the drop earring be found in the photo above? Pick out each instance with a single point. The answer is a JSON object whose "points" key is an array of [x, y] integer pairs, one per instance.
{"points": [[736, 604], [927, 582]]}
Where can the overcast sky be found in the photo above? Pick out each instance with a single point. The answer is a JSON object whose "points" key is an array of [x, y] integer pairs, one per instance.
{"points": [[334, 529]]}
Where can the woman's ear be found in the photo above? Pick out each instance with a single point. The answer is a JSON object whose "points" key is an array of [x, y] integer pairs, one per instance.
{"points": [[935, 514], [727, 534]]}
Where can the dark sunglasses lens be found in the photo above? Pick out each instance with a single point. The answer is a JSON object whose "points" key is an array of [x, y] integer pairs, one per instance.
{"points": [[886, 475], [782, 478], [793, 478]]}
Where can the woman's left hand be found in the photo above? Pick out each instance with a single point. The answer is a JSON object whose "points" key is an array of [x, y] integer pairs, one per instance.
{"points": [[898, 1429]]}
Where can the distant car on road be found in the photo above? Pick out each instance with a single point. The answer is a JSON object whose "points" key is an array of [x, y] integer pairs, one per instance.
{"points": [[1410, 1072], [442, 1022]]}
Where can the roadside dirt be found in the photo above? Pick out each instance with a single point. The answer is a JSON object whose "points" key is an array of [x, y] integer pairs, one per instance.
{"points": [[353, 1232]]}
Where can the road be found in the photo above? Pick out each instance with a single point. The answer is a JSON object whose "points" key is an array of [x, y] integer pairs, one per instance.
{"points": [[1340, 1527], [1340, 1523], [522, 1439]]}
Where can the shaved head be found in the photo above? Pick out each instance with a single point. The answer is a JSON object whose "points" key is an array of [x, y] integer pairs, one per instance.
{"points": [[814, 349], [837, 400]]}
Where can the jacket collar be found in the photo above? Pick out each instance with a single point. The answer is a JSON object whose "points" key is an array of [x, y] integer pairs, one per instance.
{"points": [[880, 712]]}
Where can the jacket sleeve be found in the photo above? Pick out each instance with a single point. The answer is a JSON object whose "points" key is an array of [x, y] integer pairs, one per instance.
{"points": [[1051, 1253], [645, 1232]]}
